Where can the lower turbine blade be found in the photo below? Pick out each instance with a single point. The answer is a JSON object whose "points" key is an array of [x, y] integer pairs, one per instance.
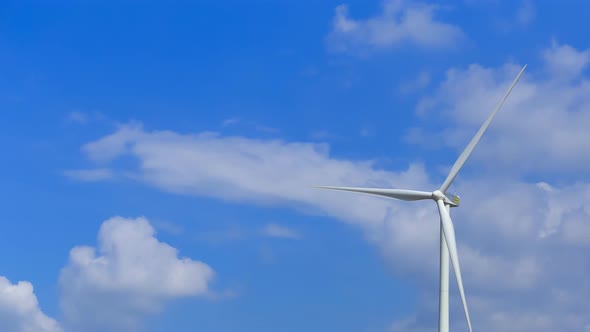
{"points": [[406, 195], [449, 233]]}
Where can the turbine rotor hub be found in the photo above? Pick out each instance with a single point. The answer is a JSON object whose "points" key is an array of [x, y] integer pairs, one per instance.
{"points": [[438, 195]]}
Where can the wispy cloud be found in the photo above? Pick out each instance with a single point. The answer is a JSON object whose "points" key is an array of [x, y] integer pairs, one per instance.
{"points": [[168, 227], [229, 234], [266, 255], [526, 13], [320, 135], [230, 121], [89, 175], [275, 230], [418, 83], [81, 118], [78, 117], [521, 16]]}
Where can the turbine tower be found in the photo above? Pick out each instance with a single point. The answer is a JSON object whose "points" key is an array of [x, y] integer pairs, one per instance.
{"points": [[444, 201]]}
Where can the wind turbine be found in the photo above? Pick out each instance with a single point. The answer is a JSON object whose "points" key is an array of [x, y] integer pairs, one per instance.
{"points": [[444, 201]]}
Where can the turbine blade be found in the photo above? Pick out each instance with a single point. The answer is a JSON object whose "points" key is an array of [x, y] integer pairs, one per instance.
{"points": [[449, 233], [406, 195], [463, 157]]}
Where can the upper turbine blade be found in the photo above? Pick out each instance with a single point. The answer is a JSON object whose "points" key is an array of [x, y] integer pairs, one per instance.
{"points": [[406, 195], [463, 157], [449, 233]]}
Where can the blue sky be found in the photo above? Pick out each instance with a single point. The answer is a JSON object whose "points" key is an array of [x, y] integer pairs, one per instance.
{"points": [[159, 156]]}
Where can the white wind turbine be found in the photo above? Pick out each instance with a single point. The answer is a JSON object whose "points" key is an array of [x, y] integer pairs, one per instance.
{"points": [[444, 201]]}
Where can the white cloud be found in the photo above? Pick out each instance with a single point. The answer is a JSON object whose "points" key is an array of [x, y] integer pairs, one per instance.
{"points": [[19, 309], [130, 274], [89, 175], [401, 22], [274, 230]]}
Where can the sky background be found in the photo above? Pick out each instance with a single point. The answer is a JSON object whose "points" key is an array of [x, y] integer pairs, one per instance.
{"points": [[159, 157]]}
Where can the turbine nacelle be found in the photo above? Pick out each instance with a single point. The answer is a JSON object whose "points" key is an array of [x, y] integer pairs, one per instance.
{"points": [[449, 199]]}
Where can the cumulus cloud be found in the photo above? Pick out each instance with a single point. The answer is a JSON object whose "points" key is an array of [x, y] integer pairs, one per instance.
{"points": [[400, 22], [19, 309], [129, 275], [521, 243]]}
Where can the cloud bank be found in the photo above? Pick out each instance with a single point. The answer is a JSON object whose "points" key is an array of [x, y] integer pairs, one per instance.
{"points": [[526, 238]]}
